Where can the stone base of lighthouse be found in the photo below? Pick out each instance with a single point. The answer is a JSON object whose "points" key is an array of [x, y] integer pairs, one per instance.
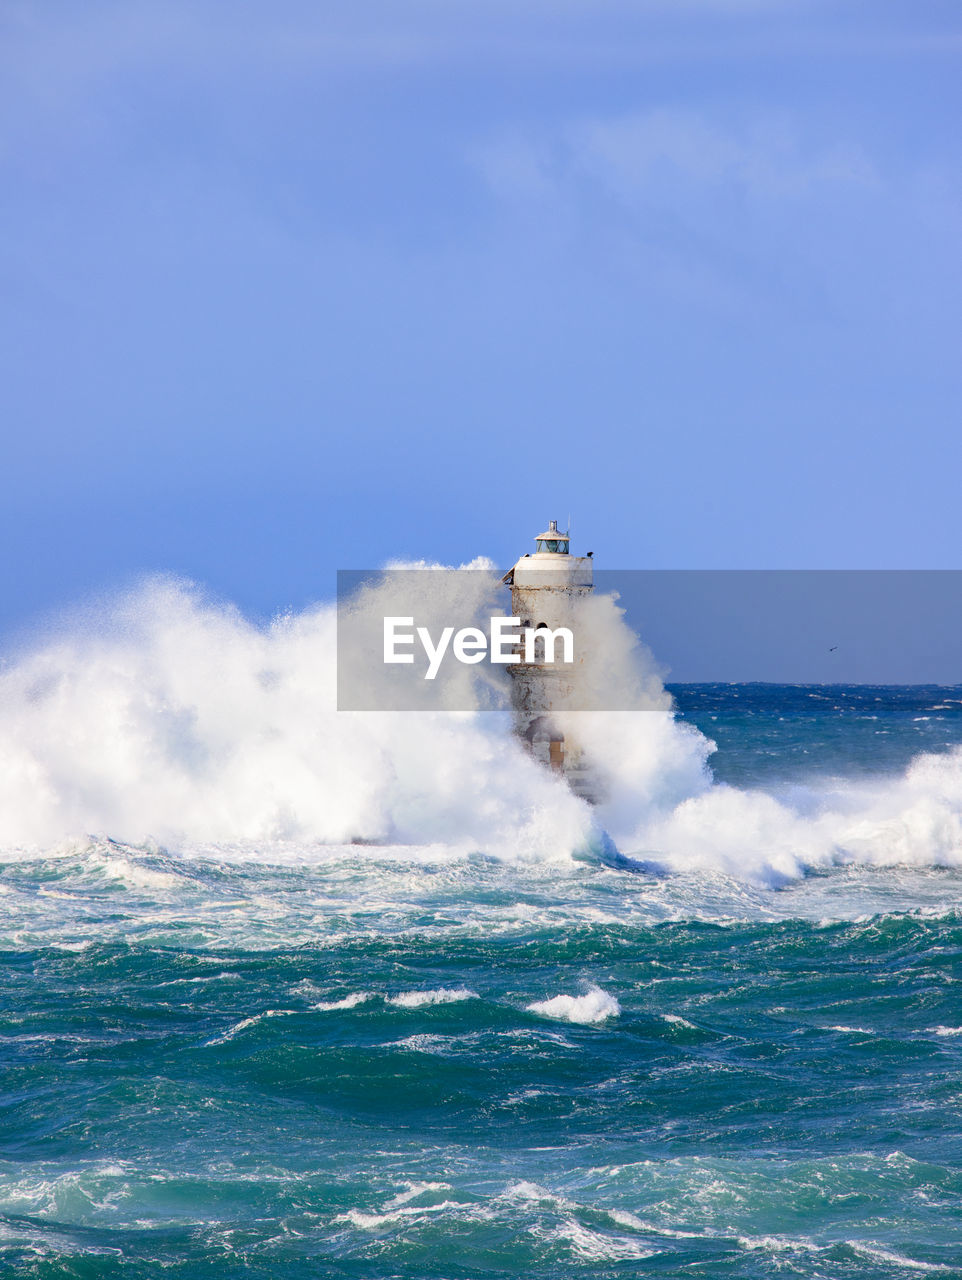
{"points": [[540, 698]]}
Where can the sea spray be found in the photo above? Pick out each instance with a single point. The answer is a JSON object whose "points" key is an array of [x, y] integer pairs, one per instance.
{"points": [[594, 1006], [175, 718], [171, 718]]}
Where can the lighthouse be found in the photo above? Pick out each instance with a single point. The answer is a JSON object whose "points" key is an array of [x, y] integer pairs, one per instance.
{"points": [[546, 586]]}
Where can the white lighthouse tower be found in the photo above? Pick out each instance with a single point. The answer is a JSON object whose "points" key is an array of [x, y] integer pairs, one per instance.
{"points": [[545, 588]]}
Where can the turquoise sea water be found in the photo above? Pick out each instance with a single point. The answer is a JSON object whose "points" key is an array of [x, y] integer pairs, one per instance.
{"points": [[378, 1062]]}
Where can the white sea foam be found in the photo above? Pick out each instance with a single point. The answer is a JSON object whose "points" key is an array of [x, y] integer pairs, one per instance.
{"points": [[244, 1023], [414, 1190], [167, 716], [439, 1046], [593, 1246], [375, 1221], [779, 1244], [440, 995], [57, 1193], [594, 1006], [161, 715], [535, 1194], [877, 1253], [624, 1219], [911, 820], [349, 1002]]}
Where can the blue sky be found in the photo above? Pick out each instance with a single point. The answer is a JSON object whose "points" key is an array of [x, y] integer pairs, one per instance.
{"points": [[296, 286]]}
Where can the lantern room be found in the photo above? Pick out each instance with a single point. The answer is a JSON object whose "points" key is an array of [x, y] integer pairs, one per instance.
{"points": [[551, 542]]}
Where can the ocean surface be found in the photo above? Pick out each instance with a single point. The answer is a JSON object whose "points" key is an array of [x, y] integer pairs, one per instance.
{"points": [[295, 1057]]}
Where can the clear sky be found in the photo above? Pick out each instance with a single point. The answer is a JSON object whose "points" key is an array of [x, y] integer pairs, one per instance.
{"points": [[293, 286]]}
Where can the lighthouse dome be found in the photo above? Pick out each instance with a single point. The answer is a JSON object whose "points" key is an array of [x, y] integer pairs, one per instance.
{"points": [[552, 540]]}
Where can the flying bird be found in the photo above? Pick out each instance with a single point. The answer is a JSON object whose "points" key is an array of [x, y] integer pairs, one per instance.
{"points": [[833, 648]]}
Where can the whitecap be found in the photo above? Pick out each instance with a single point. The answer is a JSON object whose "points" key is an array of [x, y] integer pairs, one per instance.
{"points": [[868, 1249], [415, 1189], [248, 1022], [593, 1007], [593, 1246], [349, 1002], [371, 1221], [440, 995]]}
